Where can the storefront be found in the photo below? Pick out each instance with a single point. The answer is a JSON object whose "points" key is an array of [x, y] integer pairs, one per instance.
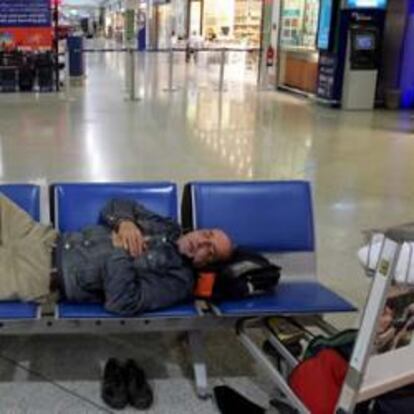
{"points": [[227, 21], [163, 24], [298, 55], [114, 25], [115, 20]]}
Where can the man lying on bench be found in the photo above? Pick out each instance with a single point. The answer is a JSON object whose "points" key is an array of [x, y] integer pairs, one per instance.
{"points": [[135, 261]]}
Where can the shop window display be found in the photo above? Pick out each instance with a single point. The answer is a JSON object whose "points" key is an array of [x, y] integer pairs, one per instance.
{"points": [[298, 55], [300, 23], [233, 20], [248, 20], [219, 17]]}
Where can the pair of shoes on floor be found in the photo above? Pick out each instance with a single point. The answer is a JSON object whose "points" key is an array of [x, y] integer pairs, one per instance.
{"points": [[124, 384]]}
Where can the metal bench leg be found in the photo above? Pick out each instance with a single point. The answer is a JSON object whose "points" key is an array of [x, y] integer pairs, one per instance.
{"points": [[275, 375], [195, 339], [325, 326]]}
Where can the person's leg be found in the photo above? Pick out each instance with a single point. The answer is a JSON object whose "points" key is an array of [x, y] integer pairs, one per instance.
{"points": [[26, 247], [13, 225]]}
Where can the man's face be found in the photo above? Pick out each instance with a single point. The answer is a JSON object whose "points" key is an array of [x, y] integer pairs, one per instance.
{"points": [[205, 246]]}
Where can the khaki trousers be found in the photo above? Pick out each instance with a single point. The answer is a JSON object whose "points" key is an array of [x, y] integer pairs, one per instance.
{"points": [[25, 254]]}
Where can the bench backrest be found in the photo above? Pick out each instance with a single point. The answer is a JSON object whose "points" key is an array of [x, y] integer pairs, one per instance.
{"points": [[264, 216], [269, 216], [26, 196], [79, 205]]}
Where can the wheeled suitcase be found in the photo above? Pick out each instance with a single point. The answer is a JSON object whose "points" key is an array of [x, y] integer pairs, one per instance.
{"points": [[9, 64], [26, 78], [8, 79], [45, 72], [45, 79]]}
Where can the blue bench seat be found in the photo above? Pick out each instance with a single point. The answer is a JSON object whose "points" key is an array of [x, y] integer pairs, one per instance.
{"points": [[289, 298], [272, 217], [68, 310], [77, 205], [18, 310], [262, 222]]}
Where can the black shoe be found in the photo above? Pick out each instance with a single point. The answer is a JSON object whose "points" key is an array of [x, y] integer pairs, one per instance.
{"points": [[230, 401], [140, 393], [114, 387]]}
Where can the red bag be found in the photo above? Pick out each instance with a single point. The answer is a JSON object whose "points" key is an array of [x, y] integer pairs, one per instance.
{"points": [[317, 381]]}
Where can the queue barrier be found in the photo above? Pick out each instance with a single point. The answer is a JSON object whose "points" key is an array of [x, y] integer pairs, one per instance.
{"points": [[48, 78], [132, 52], [263, 216]]}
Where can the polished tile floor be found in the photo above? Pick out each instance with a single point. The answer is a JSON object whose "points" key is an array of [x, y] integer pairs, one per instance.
{"points": [[360, 165]]}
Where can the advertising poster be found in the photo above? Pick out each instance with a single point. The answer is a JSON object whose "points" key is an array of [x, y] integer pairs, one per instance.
{"points": [[325, 20], [25, 24]]}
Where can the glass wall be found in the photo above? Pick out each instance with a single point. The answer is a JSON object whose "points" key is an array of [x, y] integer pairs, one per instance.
{"points": [[195, 17], [218, 18], [298, 57]]}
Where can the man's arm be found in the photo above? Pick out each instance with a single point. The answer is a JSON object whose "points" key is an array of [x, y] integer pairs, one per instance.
{"points": [[121, 287], [150, 223], [128, 293]]}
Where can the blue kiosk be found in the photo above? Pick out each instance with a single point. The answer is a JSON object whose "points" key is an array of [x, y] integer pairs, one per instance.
{"points": [[407, 64], [76, 56], [349, 39]]}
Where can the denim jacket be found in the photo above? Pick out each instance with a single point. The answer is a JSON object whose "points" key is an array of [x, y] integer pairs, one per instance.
{"points": [[93, 270]]}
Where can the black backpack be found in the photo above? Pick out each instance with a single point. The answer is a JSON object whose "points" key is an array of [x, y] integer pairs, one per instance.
{"points": [[247, 274]]}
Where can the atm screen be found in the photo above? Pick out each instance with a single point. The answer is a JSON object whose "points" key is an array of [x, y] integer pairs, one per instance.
{"points": [[374, 4], [364, 42]]}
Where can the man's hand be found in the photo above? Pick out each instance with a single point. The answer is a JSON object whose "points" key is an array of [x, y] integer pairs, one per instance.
{"points": [[131, 238]]}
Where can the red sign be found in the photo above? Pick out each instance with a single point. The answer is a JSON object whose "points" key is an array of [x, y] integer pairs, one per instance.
{"points": [[34, 38]]}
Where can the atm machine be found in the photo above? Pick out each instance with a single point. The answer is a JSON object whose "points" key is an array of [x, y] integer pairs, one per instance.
{"points": [[349, 40], [361, 67]]}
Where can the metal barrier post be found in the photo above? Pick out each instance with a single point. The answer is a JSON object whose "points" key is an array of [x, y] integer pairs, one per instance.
{"points": [[171, 87], [222, 67], [127, 76], [262, 81], [67, 74], [132, 94]]}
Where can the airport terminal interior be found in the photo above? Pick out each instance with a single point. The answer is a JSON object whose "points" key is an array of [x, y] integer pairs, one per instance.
{"points": [[193, 117]]}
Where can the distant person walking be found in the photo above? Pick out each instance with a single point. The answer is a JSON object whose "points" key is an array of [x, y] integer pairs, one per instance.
{"points": [[173, 40], [195, 42]]}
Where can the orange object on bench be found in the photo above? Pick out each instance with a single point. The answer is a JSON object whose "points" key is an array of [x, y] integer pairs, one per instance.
{"points": [[205, 285]]}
